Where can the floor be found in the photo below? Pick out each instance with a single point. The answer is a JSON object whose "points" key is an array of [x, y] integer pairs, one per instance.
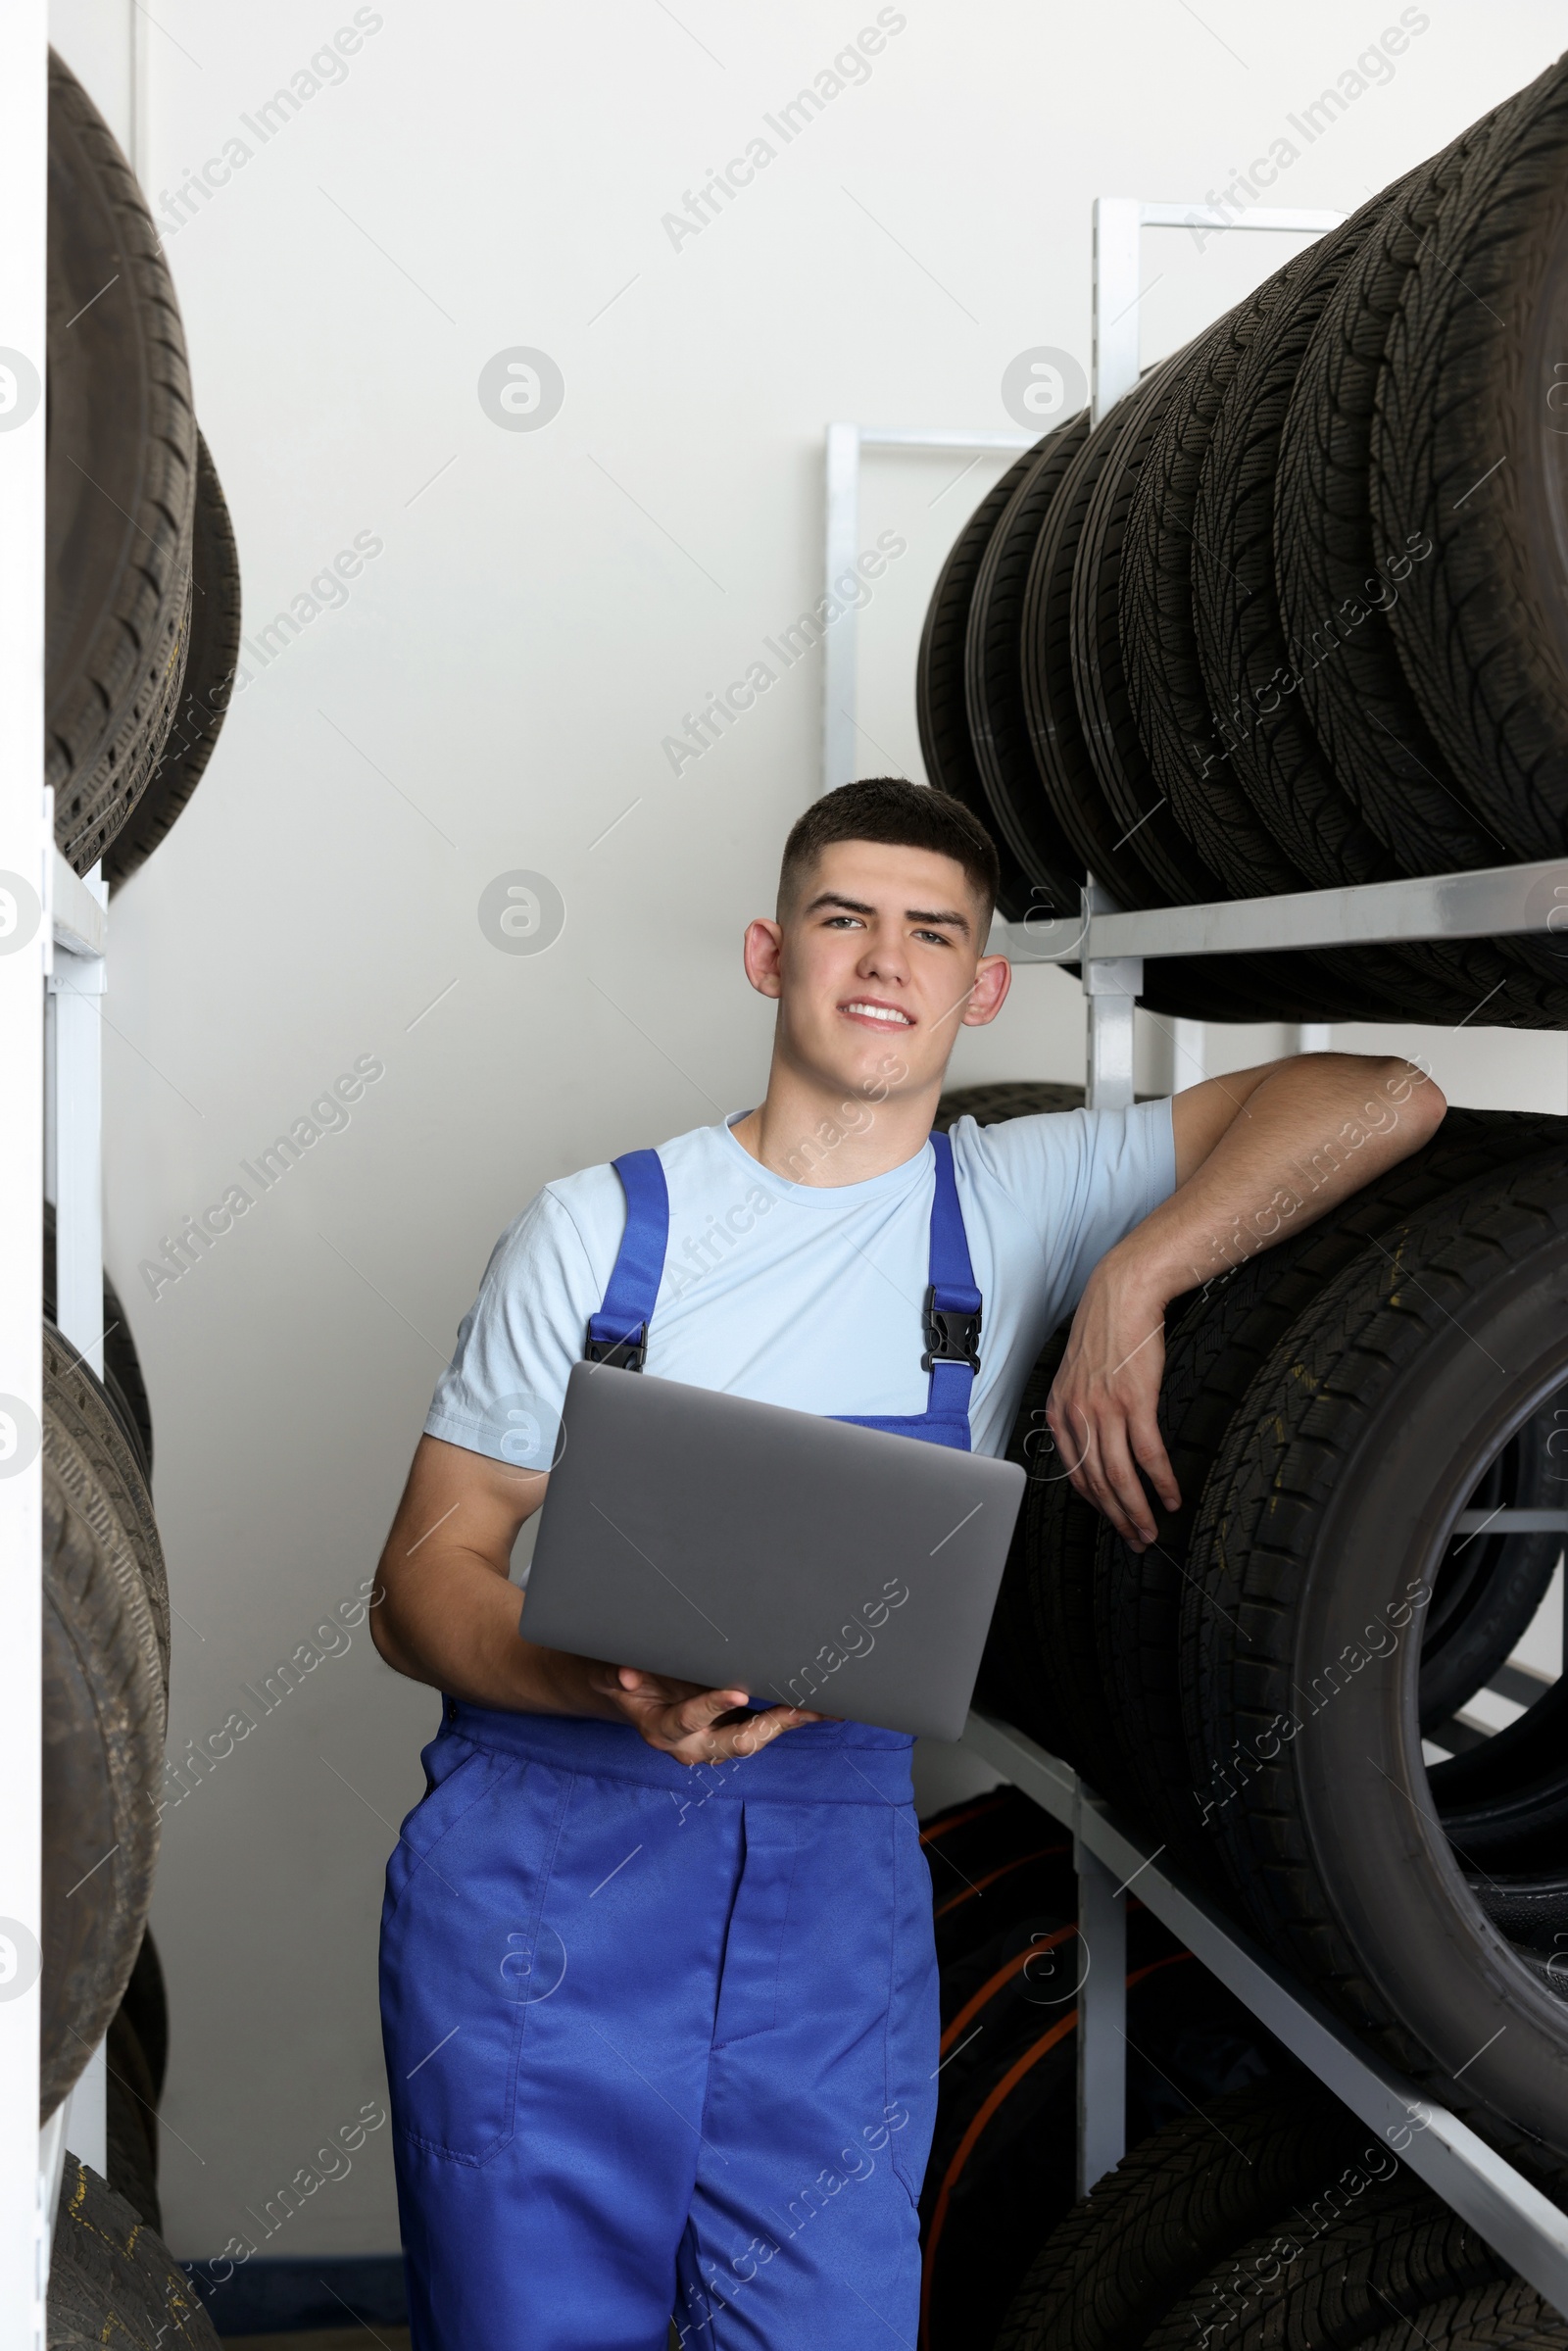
{"points": [[340, 2338]]}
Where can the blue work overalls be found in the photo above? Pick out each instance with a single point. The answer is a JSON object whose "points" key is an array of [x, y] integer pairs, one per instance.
{"points": [[664, 2037]]}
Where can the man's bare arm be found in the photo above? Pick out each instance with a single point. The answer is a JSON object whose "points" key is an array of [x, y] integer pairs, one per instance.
{"points": [[1258, 1155], [450, 1617]]}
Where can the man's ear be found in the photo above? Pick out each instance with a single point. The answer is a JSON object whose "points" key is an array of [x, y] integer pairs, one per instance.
{"points": [[761, 953], [993, 978]]}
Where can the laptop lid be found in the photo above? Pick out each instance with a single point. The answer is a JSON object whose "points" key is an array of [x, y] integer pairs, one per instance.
{"points": [[743, 1545]]}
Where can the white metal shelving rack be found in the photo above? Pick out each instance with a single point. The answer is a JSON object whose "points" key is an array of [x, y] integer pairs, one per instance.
{"points": [[1110, 947]]}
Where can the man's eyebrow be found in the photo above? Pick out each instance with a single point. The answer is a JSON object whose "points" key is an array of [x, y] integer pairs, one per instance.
{"points": [[858, 905], [835, 898]]}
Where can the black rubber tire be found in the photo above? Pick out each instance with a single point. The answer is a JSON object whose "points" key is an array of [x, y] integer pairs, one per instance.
{"points": [[1532, 1912], [131, 2116], [80, 1404], [1509, 2316], [1003, 2160], [137, 2057], [1173, 2207], [1165, 676], [939, 690], [1470, 371], [1014, 1682], [1039, 1669], [103, 1741], [1303, 2285], [1011, 1098], [1241, 636], [1056, 724], [123, 1380], [972, 1840], [999, 728], [1035, 1880], [987, 1855], [146, 2004], [1140, 809], [1319, 1530], [208, 681], [121, 488], [1342, 642], [985, 1963], [113, 2281], [1217, 1342]]}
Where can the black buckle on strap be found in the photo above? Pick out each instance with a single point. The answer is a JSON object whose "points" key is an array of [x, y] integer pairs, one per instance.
{"points": [[629, 1352], [950, 1338]]}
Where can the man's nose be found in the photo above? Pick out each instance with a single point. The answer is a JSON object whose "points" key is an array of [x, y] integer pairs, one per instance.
{"points": [[884, 956]]}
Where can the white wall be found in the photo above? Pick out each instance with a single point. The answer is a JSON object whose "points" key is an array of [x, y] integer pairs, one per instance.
{"points": [[494, 695]]}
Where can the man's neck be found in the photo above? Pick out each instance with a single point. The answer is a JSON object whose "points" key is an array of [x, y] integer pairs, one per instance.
{"points": [[811, 1132]]}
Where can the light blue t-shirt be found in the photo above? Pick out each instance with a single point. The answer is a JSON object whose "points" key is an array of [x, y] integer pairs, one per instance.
{"points": [[805, 1294]]}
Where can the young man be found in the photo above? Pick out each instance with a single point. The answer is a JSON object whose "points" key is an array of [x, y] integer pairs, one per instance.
{"points": [[658, 1977]]}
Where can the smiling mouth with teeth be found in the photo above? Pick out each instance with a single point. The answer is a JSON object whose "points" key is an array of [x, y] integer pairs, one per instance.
{"points": [[887, 1012]]}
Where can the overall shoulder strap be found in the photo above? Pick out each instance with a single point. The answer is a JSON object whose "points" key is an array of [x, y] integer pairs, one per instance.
{"points": [[619, 1333], [952, 1272], [953, 1303]]}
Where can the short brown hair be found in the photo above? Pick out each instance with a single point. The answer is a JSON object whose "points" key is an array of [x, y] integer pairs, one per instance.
{"points": [[889, 808]]}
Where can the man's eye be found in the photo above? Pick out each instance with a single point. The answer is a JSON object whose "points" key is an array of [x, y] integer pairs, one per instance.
{"points": [[843, 922], [937, 938]]}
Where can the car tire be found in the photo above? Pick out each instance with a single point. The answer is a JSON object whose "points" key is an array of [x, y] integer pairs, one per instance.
{"points": [[940, 712], [999, 729], [111, 2279], [121, 483], [209, 681], [103, 1738], [1176, 2205], [1470, 369], [1310, 1559]]}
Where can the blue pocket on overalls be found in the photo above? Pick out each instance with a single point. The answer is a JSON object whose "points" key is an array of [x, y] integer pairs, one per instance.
{"points": [[460, 1957]]}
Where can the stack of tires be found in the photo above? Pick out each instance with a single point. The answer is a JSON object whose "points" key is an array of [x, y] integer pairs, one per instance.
{"points": [[1276, 1688], [1290, 615], [142, 634]]}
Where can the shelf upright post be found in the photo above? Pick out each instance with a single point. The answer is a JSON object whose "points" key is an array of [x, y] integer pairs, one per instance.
{"points": [[74, 1158], [1118, 221], [1111, 989], [1112, 985], [77, 1145], [25, 2187], [1101, 2018], [841, 527]]}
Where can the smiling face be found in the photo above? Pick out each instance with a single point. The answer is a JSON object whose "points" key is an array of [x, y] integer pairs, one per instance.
{"points": [[877, 964]]}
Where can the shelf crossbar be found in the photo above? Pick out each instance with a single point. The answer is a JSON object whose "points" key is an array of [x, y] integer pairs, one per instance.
{"points": [[1516, 2219], [1493, 901]]}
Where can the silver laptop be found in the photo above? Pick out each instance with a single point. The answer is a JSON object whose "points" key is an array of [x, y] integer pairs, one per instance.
{"points": [[744, 1546]]}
